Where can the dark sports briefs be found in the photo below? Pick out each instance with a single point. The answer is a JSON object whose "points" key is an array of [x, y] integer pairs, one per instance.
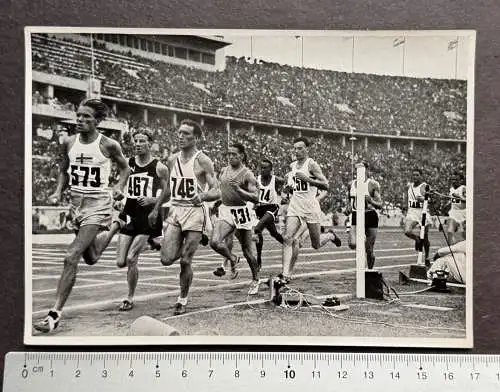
{"points": [[371, 219], [140, 225], [261, 210]]}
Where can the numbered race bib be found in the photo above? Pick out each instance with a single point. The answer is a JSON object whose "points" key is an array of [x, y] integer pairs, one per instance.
{"points": [[264, 195], [182, 188], [241, 215], [299, 185], [140, 184], [86, 176], [416, 204]]}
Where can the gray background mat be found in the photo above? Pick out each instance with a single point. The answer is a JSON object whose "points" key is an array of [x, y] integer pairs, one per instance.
{"points": [[479, 15]]}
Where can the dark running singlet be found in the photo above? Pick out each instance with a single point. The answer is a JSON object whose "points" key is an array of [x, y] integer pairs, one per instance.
{"points": [[143, 181]]}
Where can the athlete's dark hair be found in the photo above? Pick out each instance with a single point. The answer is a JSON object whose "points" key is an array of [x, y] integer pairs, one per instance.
{"points": [[302, 139], [101, 110], [417, 169], [241, 149], [267, 161], [143, 131], [197, 131]]}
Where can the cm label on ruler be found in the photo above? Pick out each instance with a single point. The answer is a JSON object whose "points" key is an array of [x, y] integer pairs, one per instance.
{"points": [[246, 371]]}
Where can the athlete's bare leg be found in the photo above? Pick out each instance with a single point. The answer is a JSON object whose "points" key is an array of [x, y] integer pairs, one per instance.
{"points": [[133, 246], [172, 245], [452, 227], [371, 236], [292, 227], [267, 222], [86, 235], [92, 254], [222, 230], [248, 248], [319, 240], [409, 227], [191, 242]]}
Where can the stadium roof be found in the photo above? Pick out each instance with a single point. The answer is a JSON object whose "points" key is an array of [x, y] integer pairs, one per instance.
{"points": [[210, 42]]}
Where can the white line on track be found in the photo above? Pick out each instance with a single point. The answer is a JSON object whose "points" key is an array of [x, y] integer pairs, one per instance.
{"points": [[254, 302], [203, 273], [146, 297]]}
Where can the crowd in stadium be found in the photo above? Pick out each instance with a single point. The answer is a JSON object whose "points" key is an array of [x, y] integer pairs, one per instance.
{"points": [[392, 168], [283, 94]]}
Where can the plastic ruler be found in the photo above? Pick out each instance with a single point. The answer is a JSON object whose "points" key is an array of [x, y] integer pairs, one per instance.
{"points": [[248, 371]]}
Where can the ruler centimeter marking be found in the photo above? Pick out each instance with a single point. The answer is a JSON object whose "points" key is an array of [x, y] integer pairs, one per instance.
{"points": [[121, 372]]}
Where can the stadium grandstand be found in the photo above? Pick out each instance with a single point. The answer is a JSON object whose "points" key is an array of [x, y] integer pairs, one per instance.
{"points": [[155, 81]]}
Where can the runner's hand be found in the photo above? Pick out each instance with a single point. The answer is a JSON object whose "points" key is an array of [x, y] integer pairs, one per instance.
{"points": [[117, 194], [152, 217]]}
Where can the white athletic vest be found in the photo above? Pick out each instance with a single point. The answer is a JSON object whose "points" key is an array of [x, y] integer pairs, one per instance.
{"points": [[268, 194], [304, 194], [457, 204], [413, 193], [89, 169], [352, 195], [184, 185]]}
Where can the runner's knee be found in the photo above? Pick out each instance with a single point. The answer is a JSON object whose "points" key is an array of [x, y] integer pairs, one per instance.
{"points": [[131, 260], [121, 262], [217, 244], [167, 260], [71, 259], [185, 262], [90, 256], [315, 243]]}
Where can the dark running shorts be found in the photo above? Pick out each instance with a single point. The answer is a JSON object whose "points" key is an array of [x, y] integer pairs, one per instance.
{"points": [[371, 219], [261, 210], [140, 225]]}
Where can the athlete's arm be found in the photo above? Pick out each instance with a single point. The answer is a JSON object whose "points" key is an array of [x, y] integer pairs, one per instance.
{"points": [[459, 247], [251, 193], [163, 174], [321, 195], [279, 183], [62, 178], [423, 186], [319, 180], [460, 195], [116, 155], [213, 192], [348, 209], [375, 199]]}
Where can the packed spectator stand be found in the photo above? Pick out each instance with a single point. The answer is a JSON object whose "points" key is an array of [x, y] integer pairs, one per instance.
{"points": [[278, 94], [271, 92]]}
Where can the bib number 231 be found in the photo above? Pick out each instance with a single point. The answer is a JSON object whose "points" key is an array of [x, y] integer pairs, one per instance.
{"points": [[241, 215]]}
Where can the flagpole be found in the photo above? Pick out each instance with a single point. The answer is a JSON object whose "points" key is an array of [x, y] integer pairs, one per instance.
{"points": [[456, 60], [352, 55], [302, 54], [404, 55]]}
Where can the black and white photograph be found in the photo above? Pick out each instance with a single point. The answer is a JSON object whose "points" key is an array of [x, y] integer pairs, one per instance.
{"points": [[261, 187]]}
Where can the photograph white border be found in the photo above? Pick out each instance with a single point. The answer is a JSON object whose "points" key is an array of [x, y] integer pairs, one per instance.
{"points": [[417, 342]]}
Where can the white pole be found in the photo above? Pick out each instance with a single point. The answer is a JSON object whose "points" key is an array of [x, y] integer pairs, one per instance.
{"points": [[361, 191]]}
